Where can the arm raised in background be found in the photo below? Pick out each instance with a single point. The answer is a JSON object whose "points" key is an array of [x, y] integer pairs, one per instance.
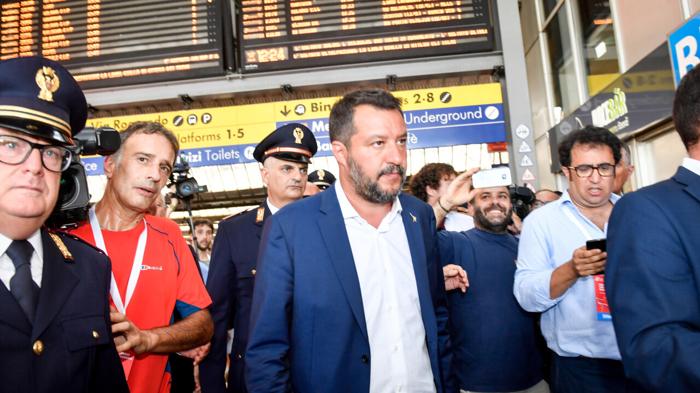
{"points": [[458, 193]]}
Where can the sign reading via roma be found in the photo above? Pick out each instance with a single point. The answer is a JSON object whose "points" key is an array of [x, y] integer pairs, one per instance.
{"points": [[435, 117]]}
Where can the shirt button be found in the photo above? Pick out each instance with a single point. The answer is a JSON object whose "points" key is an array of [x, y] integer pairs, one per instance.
{"points": [[396, 348]]}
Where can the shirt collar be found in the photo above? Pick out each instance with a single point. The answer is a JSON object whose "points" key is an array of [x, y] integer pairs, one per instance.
{"points": [[273, 209], [349, 211], [565, 199], [34, 240], [692, 165]]}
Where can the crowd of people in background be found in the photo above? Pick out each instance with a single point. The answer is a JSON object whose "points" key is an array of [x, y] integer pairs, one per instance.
{"points": [[347, 283]]}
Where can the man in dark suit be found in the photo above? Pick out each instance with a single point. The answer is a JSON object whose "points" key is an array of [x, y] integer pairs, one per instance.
{"points": [[349, 294], [55, 330], [653, 267], [285, 155]]}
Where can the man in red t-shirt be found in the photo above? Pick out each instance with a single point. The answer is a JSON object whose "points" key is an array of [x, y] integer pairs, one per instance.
{"points": [[154, 273]]}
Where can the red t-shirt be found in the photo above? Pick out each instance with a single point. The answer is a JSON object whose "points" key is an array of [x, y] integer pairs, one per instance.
{"points": [[169, 279]]}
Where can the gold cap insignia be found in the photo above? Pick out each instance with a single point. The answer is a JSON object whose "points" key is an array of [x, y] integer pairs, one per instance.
{"points": [[298, 135], [61, 247], [48, 82], [321, 174], [260, 215]]}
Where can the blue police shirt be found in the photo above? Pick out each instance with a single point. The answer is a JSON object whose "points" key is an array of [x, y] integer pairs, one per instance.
{"points": [[569, 323]]}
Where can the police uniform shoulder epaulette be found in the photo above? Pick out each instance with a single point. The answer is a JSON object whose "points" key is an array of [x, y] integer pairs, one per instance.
{"points": [[56, 237], [238, 214]]}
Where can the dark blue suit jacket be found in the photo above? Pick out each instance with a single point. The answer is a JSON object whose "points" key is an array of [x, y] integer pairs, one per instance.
{"points": [[72, 322], [230, 284], [653, 283], [308, 329]]}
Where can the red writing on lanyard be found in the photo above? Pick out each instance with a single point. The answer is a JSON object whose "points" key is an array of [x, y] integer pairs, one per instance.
{"points": [[601, 301]]}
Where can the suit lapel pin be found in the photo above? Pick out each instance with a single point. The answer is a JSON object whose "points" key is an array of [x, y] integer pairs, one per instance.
{"points": [[412, 217]]}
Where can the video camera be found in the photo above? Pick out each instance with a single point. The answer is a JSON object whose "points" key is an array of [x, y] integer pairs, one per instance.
{"points": [[73, 196], [522, 199], [185, 186]]}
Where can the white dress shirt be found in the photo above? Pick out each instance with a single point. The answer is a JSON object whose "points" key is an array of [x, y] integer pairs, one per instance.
{"points": [[7, 268], [397, 342], [273, 209], [692, 165], [458, 222]]}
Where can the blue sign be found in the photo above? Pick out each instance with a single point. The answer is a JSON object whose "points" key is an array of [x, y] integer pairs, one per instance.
{"points": [[426, 128], [683, 46]]}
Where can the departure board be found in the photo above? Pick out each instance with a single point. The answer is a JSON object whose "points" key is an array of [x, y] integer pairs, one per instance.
{"points": [[279, 34], [115, 42]]}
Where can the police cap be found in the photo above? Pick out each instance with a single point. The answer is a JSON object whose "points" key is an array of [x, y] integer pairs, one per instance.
{"points": [[40, 98], [321, 178], [290, 142]]}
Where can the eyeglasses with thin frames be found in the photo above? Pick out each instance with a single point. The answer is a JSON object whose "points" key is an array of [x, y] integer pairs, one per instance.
{"points": [[15, 150], [604, 170]]}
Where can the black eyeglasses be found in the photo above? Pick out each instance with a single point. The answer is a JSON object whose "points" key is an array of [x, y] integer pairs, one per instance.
{"points": [[604, 170], [15, 150]]}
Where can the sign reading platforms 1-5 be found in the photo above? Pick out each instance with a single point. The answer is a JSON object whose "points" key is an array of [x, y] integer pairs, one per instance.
{"points": [[435, 117]]}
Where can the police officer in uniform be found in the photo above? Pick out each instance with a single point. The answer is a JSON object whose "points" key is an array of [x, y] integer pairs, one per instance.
{"points": [[284, 155], [55, 331], [321, 178]]}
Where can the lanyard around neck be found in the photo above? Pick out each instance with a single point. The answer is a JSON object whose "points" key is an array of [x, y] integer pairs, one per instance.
{"points": [[578, 223], [135, 267]]}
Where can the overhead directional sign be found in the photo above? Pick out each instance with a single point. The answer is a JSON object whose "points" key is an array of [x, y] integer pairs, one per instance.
{"points": [[683, 45], [443, 116]]}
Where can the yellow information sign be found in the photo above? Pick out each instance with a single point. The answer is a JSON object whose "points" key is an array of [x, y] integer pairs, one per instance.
{"points": [[249, 124]]}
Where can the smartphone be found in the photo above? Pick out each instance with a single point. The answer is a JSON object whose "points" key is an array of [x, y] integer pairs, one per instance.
{"points": [[495, 177], [596, 244]]}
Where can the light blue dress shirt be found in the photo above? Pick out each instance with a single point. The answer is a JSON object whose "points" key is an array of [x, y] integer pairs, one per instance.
{"points": [[569, 323]]}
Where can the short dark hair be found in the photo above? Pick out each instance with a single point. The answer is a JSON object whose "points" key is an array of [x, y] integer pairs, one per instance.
{"points": [[686, 108], [341, 125], [203, 221], [591, 136], [429, 176], [149, 127]]}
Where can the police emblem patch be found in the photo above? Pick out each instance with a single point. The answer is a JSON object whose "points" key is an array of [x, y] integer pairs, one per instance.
{"points": [[48, 82]]}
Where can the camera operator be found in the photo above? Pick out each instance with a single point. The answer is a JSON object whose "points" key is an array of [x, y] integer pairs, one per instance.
{"points": [[55, 324], [154, 272]]}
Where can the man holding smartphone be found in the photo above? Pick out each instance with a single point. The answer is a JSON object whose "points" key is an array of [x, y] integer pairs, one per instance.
{"points": [[555, 270]]}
